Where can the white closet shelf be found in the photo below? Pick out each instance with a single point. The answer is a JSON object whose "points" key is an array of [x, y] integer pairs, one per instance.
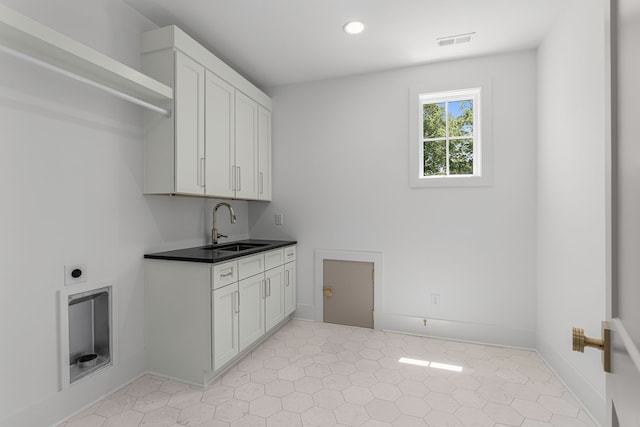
{"points": [[31, 39]]}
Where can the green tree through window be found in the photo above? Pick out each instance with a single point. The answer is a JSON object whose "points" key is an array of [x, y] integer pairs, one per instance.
{"points": [[448, 138]]}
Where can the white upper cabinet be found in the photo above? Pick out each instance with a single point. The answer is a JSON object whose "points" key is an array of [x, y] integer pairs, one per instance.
{"points": [[220, 137], [246, 162], [264, 153], [218, 142], [189, 118]]}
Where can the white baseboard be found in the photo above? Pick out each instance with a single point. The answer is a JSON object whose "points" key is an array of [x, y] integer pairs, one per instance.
{"points": [[456, 330], [89, 405], [590, 399], [448, 329], [305, 312], [55, 408]]}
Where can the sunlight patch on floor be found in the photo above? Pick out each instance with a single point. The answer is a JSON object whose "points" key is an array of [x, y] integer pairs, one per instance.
{"points": [[426, 363]]}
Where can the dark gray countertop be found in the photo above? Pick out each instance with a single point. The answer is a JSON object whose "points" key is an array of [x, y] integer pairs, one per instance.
{"points": [[211, 254]]}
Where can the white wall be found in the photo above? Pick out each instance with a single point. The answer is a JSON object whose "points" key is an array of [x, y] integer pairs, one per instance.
{"points": [[71, 168], [571, 197], [340, 159]]}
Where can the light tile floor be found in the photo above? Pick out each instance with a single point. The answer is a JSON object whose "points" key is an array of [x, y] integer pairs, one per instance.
{"points": [[319, 374]]}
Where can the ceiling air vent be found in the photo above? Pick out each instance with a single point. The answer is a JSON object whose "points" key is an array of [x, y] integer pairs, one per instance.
{"points": [[457, 39], [446, 42]]}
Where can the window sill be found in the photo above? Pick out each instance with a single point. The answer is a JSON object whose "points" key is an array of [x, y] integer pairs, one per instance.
{"points": [[451, 181]]}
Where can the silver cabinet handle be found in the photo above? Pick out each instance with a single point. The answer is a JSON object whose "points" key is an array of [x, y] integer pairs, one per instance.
{"points": [[229, 274], [238, 182], [286, 278], [237, 293], [261, 176], [264, 288], [201, 172], [269, 282], [233, 178]]}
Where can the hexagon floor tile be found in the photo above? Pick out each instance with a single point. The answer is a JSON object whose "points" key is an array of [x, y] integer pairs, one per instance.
{"points": [[320, 374]]}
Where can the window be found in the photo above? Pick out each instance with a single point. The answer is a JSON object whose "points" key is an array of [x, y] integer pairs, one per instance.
{"points": [[448, 133], [447, 146]]}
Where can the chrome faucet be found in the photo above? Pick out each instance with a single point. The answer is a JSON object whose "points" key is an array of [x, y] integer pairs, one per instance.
{"points": [[214, 232]]}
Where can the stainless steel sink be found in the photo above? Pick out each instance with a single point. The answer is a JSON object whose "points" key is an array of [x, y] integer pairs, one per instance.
{"points": [[235, 247]]}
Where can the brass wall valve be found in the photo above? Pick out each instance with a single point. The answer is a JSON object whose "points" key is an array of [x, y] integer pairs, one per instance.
{"points": [[580, 341]]}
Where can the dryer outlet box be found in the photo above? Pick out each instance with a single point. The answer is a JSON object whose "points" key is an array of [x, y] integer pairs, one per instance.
{"points": [[74, 274]]}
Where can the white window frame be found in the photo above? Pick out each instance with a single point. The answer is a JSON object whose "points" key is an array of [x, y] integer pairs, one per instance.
{"points": [[481, 138]]}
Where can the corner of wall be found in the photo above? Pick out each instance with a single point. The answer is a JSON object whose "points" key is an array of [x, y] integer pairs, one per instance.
{"points": [[579, 386], [571, 256]]}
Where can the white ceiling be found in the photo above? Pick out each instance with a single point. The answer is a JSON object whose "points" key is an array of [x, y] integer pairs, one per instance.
{"points": [[277, 42]]}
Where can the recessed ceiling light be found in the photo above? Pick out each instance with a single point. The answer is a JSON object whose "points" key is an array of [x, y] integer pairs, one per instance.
{"points": [[353, 27]]}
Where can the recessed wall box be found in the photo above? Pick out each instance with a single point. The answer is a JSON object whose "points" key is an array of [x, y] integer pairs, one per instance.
{"points": [[74, 274]]}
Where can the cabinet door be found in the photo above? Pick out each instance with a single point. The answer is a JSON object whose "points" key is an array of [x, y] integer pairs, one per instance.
{"points": [[264, 153], [251, 310], [246, 164], [274, 296], [225, 325], [189, 117], [219, 136], [289, 288]]}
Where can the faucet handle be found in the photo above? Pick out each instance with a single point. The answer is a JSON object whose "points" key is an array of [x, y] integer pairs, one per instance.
{"points": [[222, 235]]}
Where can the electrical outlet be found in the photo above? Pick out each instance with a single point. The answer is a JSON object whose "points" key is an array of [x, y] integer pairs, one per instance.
{"points": [[435, 299], [279, 218], [74, 274]]}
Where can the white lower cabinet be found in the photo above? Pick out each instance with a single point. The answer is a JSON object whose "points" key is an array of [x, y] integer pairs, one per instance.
{"points": [[238, 318], [178, 319], [289, 288], [225, 324], [251, 309], [202, 317], [274, 296], [290, 295]]}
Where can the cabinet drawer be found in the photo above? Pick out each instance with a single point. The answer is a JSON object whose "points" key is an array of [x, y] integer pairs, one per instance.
{"points": [[289, 254], [273, 258], [224, 274], [250, 266]]}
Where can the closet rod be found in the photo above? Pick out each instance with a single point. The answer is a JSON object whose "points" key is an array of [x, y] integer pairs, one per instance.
{"points": [[89, 82]]}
